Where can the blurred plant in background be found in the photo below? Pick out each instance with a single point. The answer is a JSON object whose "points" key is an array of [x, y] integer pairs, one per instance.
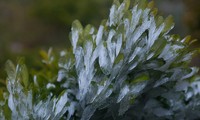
{"points": [[176, 8], [26, 26], [192, 17], [192, 21]]}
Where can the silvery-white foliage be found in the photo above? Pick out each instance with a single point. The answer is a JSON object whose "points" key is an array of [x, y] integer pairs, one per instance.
{"points": [[130, 67], [21, 102], [129, 55]]}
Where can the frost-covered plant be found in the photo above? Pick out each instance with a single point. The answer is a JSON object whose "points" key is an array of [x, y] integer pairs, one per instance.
{"points": [[128, 68]]}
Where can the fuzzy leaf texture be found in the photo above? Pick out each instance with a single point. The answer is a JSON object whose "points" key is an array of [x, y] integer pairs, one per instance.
{"points": [[21, 103], [128, 68]]}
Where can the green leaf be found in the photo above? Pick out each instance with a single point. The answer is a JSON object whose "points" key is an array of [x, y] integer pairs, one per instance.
{"points": [[151, 4], [10, 69], [159, 21], [169, 24], [116, 2], [25, 75], [140, 78], [154, 11], [77, 25], [1, 95], [44, 55], [127, 4], [142, 4]]}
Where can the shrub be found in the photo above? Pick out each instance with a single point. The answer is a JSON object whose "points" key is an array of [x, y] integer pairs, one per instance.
{"points": [[128, 68]]}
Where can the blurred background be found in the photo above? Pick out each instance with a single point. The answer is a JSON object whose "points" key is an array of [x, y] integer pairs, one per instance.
{"points": [[27, 26]]}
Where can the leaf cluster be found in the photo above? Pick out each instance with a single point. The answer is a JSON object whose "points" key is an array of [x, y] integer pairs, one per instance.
{"points": [[129, 67]]}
